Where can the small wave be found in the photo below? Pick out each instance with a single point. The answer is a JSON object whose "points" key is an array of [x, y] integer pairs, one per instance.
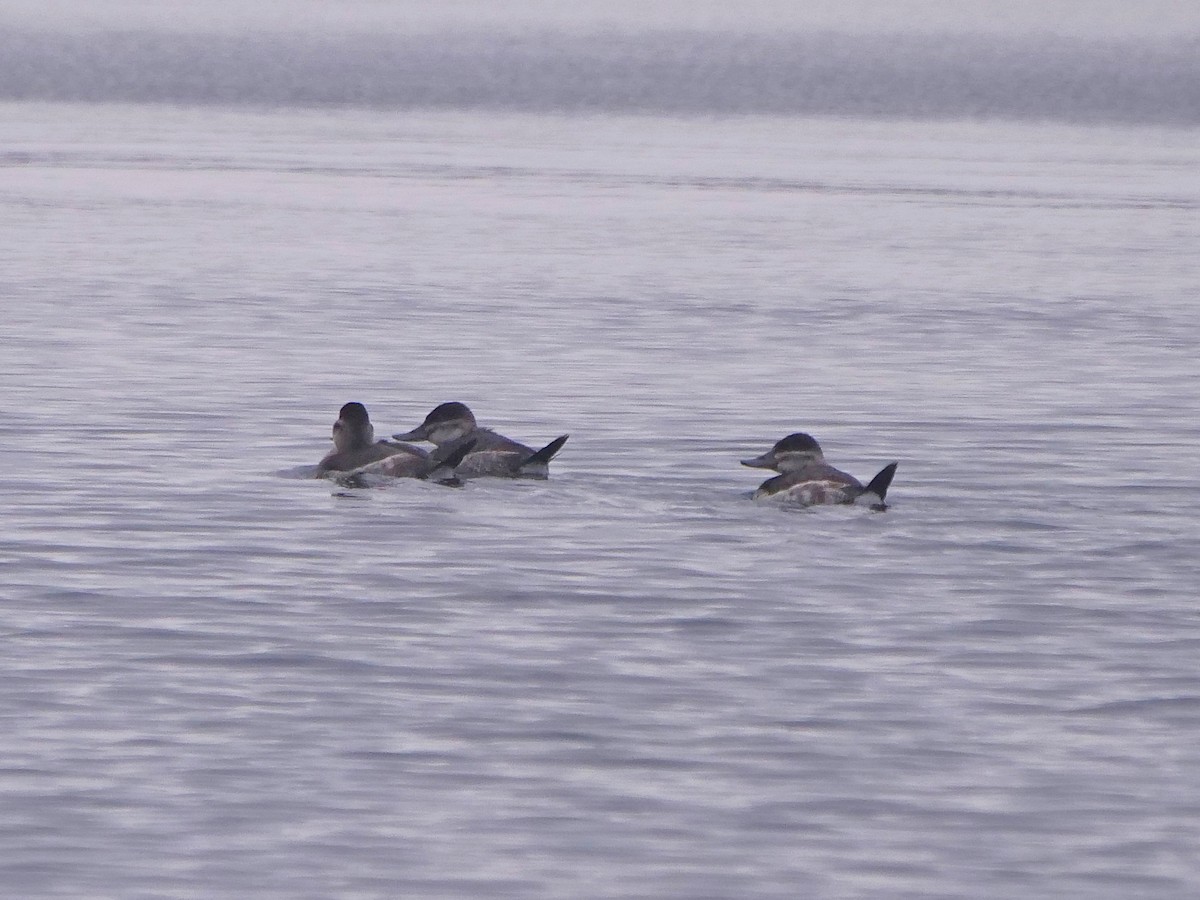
{"points": [[1175, 707], [309, 471]]}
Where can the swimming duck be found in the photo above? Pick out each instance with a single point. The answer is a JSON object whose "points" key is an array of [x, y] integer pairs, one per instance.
{"points": [[450, 425], [806, 479], [355, 447]]}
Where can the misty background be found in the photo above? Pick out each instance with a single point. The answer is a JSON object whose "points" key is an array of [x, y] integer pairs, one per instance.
{"points": [[1083, 62]]}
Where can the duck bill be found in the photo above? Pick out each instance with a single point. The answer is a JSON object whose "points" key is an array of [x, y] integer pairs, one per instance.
{"points": [[760, 462], [417, 434]]}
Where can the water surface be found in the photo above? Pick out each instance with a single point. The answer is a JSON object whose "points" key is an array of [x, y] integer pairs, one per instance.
{"points": [[224, 679]]}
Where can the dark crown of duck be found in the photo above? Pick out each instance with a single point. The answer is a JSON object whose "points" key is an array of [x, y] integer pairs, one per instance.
{"points": [[797, 443], [353, 413], [448, 412]]}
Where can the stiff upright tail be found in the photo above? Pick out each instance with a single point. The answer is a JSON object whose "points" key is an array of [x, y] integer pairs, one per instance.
{"points": [[879, 486], [546, 454], [443, 472]]}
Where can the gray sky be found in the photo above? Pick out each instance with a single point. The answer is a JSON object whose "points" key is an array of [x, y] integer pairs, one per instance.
{"points": [[1084, 18]]}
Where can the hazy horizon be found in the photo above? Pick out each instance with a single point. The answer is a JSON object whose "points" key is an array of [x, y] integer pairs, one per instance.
{"points": [[681, 72], [1067, 18]]}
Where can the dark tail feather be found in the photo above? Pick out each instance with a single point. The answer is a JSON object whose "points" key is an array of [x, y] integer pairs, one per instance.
{"points": [[443, 472], [547, 453], [879, 485]]}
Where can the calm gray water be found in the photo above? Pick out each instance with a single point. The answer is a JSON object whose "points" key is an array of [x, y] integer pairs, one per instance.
{"points": [[223, 679]]}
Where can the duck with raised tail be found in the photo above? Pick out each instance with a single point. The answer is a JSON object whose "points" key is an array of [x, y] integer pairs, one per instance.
{"points": [[451, 426], [805, 478]]}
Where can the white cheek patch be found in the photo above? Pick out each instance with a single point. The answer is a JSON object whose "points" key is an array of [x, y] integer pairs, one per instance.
{"points": [[443, 433], [341, 437]]}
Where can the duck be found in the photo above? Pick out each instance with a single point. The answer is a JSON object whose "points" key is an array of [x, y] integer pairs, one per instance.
{"points": [[356, 452], [450, 426], [806, 479]]}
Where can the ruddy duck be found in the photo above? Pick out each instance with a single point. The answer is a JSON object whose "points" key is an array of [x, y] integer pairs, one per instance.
{"points": [[451, 425], [355, 447], [806, 479]]}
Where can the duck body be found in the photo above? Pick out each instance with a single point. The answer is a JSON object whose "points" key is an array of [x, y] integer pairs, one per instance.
{"points": [[806, 479], [451, 426], [355, 449], [811, 486], [383, 457]]}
